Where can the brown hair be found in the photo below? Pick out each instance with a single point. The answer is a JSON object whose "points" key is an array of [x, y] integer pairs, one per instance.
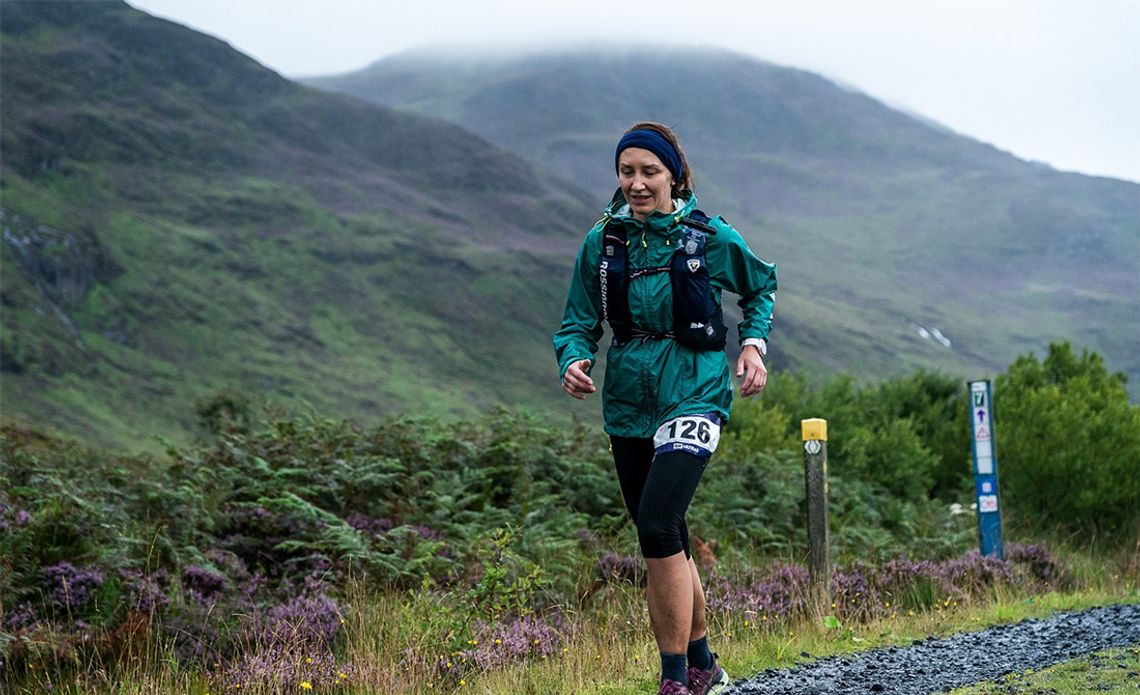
{"points": [[686, 182]]}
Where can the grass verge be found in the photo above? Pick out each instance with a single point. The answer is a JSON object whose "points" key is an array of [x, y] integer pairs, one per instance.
{"points": [[1114, 670], [394, 643]]}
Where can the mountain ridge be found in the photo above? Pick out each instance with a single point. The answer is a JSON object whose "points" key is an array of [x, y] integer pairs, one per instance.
{"points": [[921, 226]]}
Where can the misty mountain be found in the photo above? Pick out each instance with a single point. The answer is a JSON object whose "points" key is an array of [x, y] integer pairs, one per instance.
{"points": [[900, 243], [179, 221]]}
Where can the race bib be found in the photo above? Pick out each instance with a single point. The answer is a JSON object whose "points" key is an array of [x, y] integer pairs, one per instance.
{"points": [[694, 434]]}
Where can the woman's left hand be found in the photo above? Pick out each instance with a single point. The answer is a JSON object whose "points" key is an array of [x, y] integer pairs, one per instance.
{"points": [[751, 367]]}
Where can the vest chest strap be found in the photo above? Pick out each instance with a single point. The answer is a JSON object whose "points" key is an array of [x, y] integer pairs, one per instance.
{"points": [[697, 318]]}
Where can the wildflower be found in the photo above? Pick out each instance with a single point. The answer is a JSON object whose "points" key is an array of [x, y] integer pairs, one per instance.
{"points": [[308, 659], [342, 675], [306, 685], [746, 623], [498, 641], [462, 683]]}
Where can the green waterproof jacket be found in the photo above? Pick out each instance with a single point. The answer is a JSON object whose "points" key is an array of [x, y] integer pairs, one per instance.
{"points": [[649, 382]]}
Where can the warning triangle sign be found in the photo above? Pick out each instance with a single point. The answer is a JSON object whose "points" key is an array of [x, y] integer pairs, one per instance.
{"points": [[982, 433]]}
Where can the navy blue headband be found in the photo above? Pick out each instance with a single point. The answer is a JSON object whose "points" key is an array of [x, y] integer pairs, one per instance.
{"points": [[657, 144]]}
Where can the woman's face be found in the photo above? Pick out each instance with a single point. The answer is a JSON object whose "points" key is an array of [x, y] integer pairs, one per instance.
{"points": [[645, 182]]}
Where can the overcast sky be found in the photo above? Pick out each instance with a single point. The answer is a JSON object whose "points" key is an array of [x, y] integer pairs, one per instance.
{"points": [[1056, 81]]}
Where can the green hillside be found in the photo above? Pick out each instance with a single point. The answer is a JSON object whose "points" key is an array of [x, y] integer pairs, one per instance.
{"points": [[178, 221], [881, 224]]}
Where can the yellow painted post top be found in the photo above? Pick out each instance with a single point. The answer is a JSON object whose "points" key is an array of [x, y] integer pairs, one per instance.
{"points": [[814, 428]]}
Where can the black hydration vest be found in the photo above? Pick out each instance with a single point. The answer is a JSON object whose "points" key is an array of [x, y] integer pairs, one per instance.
{"points": [[697, 319]]}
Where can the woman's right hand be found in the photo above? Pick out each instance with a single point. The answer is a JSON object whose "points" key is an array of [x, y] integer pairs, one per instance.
{"points": [[577, 381]]}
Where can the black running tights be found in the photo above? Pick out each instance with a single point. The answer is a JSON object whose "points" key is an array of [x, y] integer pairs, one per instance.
{"points": [[657, 492]]}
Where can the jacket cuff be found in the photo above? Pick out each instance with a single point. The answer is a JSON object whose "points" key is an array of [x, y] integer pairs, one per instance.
{"points": [[572, 360]]}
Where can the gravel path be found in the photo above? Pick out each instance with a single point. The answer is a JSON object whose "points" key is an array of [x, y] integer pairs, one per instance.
{"points": [[936, 664]]}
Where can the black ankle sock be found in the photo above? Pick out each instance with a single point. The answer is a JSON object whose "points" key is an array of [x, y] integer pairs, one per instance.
{"points": [[699, 654], [673, 668]]}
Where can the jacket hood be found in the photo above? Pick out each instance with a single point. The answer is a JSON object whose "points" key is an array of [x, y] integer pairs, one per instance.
{"points": [[619, 209]]}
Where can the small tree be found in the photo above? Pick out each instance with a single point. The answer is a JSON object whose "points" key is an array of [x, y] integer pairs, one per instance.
{"points": [[1069, 443]]}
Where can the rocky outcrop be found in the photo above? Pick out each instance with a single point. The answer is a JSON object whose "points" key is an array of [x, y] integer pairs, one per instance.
{"points": [[63, 265]]}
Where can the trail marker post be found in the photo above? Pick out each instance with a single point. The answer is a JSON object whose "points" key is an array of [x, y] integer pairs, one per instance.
{"points": [[815, 481], [985, 469]]}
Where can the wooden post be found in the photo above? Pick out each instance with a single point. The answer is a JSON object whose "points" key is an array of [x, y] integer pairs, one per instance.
{"points": [[815, 481]]}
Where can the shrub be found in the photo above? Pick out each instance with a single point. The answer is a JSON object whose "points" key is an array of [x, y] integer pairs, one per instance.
{"points": [[908, 435], [1068, 444], [509, 519]]}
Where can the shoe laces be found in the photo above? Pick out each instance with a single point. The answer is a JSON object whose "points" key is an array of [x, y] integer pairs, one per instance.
{"points": [[698, 679], [672, 687]]}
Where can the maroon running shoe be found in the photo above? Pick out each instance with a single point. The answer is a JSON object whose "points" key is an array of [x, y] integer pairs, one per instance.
{"points": [[708, 682], [672, 687]]}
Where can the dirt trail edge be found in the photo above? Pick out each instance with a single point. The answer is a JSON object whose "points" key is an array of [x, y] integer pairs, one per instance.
{"points": [[934, 664]]}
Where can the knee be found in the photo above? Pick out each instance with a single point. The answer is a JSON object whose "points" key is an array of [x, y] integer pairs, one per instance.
{"points": [[660, 535]]}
